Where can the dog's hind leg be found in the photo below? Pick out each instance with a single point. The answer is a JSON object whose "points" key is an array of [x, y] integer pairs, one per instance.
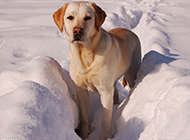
{"points": [[131, 75], [116, 96]]}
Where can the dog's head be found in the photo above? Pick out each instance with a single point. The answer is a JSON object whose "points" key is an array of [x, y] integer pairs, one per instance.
{"points": [[81, 20]]}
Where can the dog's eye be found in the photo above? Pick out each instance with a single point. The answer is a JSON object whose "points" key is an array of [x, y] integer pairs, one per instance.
{"points": [[87, 18], [70, 17]]}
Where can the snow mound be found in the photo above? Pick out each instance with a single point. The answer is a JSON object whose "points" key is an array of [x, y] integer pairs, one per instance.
{"points": [[123, 18], [160, 102], [35, 102], [159, 111]]}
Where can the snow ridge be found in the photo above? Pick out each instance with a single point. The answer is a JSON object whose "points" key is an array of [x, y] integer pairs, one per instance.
{"points": [[159, 99], [36, 102]]}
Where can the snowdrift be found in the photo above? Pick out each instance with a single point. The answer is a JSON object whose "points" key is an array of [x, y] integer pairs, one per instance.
{"points": [[35, 102], [159, 105]]}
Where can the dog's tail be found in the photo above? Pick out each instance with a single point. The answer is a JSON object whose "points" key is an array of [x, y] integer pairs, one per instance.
{"points": [[124, 82]]}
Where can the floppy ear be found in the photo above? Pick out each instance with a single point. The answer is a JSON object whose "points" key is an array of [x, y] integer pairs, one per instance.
{"points": [[58, 17], [100, 15]]}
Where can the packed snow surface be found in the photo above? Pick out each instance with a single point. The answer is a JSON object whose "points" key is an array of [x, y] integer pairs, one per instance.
{"points": [[37, 95]]}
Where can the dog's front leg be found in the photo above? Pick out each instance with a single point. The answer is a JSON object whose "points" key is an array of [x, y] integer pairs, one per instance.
{"points": [[107, 104], [83, 100]]}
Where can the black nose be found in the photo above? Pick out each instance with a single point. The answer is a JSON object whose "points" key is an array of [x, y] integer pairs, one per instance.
{"points": [[78, 32]]}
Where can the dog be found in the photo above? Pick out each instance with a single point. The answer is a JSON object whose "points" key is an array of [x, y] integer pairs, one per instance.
{"points": [[97, 59]]}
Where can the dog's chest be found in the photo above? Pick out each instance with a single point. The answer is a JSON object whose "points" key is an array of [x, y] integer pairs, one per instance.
{"points": [[88, 81], [87, 58]]}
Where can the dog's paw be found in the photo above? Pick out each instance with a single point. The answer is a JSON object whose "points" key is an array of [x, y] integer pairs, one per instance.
{"points": [[84, 133], [105, 137]]}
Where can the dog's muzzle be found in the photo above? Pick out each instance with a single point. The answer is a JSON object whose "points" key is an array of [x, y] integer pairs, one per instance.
{"points": [[78, 33]]}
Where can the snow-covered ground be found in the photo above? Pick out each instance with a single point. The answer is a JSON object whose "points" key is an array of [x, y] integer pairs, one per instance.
{"points": [[37, 96]]}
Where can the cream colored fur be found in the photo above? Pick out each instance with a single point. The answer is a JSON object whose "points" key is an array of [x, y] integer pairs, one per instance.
{"points": [[98, 59]]}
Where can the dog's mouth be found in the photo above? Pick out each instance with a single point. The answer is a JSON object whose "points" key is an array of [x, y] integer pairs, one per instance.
{"points": [[78, 39]]}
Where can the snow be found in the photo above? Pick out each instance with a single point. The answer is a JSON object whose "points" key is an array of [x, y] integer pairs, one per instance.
{"points": [[36, 103], [37, 96]]}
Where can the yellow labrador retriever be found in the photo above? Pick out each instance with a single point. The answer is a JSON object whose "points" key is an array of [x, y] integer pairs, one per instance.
{"points": [[98, 59]]}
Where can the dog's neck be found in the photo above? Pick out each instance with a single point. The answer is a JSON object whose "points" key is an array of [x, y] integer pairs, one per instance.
{"points": [[83, 55]]}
